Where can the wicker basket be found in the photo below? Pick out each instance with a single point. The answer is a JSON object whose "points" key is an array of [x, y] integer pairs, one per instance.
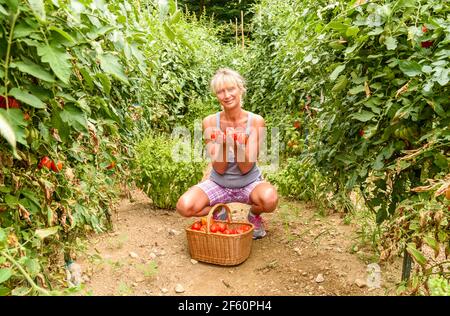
{"points": [[226, 250]]}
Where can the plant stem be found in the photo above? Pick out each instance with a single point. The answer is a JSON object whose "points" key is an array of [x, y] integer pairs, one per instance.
{"points": [[25, 274], [8, 52]]}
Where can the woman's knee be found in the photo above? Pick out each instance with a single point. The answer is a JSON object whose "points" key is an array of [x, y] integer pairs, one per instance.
{"points": [[185, 207], [270, 199]]}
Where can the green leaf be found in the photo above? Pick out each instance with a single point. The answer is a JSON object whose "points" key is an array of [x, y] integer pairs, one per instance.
{"points": [[169, 33], [391, 43], [410, 68], [336, 72], [441, 161], [26, 97], [74, 117], [33, 69], [441, 75], [87, 78], [106, 83], [340, 84], [32, 266], [21, 291], [363, 116], [2, 236], [3, 11], [11, 201], [427, 69], [42, 233], [7, 131], [357, 89], [352, 31], [4, 291], [430, 241], [5, 274], [38, 8], [23, 30], [416, 254], [63, 33], [17, 122], [58, 60], [111, 65]]}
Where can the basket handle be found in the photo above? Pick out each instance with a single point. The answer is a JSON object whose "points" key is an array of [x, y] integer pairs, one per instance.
{"points": [[211, 212]]}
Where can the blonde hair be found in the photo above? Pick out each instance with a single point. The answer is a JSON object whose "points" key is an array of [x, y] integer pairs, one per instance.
{"points": [[226, 75]]}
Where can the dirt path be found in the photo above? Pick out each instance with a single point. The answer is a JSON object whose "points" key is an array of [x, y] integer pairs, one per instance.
{"points": [[147, 254]]}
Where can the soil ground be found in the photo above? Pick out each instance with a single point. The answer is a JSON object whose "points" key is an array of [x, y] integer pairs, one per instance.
{"points": [[147, 254]]}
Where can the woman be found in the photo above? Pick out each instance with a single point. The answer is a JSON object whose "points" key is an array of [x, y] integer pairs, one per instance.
{"points": [[233, 138]]}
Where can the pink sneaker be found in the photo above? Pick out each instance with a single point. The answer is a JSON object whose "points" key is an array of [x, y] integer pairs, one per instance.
{"points": [[258, 223]]}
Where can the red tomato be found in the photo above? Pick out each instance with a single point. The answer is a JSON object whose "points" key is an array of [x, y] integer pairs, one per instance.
{"points": [[13, 103], [56, 167], [232, 231], [361, 132], [426, 44], [240, 231], [226, 232], [245, 228], [213, 228], [203, 228], [45, 162], [424, 29], [296, 124], [196, 226], [221, 227]]}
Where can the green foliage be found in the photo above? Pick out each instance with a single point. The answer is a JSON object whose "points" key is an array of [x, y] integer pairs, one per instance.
{"points": [[79, 83], [165, 169], [439, 286], [369, 82]]}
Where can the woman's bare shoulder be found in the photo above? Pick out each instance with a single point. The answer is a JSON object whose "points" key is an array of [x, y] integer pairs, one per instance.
{"points": [[258, 120], [210, 120]]}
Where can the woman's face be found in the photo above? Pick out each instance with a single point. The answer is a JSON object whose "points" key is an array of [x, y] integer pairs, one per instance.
{"points": [[229, 95]]}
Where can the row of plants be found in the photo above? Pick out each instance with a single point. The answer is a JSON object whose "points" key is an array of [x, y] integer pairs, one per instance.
{"points": [[367, 85], [80, 83]]}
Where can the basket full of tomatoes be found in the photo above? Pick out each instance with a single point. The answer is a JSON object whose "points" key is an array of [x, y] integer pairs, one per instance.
{"points": [[220, 242]]}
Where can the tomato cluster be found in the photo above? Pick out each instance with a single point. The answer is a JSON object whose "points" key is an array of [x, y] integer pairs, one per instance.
{"points": [[220, 227], [12, 103], [50, 164]]}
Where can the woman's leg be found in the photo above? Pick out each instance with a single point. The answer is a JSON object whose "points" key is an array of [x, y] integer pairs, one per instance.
{"points": [[263, 198], [194, 202]]}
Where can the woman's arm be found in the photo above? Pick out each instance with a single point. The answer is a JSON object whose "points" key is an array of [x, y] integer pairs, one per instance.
{"points": [[247, 155], [215, 149]]}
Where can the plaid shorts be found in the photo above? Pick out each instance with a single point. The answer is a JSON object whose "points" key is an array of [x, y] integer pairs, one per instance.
{"points": [[219, 194]]}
